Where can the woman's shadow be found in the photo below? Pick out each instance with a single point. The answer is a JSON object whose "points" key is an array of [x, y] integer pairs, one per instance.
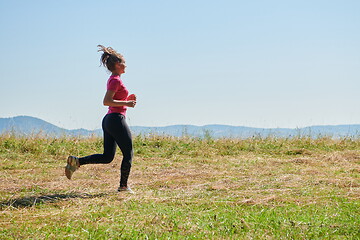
{"points": [[31, 201]]}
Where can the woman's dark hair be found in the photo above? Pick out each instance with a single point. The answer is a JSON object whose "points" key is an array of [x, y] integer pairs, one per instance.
{"points": [[110, 57]]}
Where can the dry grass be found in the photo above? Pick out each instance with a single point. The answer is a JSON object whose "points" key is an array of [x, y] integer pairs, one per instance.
{"points": [[184, 187]]}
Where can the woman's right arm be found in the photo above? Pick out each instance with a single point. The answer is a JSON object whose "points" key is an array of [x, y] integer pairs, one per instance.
{"points": [[109, 101]]}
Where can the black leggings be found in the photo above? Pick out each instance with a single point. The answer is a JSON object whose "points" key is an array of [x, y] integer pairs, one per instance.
{"points": [[116, 131]]}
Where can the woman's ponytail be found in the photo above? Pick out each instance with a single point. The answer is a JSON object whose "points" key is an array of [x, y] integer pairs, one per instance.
{"points": [[109, 57]]}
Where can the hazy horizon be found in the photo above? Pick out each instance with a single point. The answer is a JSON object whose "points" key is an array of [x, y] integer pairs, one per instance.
{"points": [[185, 125]]}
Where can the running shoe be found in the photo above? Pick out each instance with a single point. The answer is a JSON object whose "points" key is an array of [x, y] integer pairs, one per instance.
{"points": [[125, 189], [72, 165]]}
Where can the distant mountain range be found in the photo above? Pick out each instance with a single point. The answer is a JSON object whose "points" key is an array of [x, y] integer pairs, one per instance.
{"points": [[25, 125]]}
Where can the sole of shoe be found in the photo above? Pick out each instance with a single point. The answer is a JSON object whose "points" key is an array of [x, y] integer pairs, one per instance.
{"points": [[71, 167], [68, 172]]}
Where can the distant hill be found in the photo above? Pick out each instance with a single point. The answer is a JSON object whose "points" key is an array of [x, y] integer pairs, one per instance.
{"points": [[25, 125]]}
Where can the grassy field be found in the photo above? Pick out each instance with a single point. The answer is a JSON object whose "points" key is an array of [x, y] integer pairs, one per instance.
{"points": [[185, 188]]}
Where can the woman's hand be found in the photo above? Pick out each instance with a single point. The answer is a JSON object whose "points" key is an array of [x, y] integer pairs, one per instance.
{"points": [[131, 103], [132, 100]]}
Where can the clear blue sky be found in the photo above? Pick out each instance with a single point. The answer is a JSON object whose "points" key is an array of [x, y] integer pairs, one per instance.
{"points": [[244, 63]]}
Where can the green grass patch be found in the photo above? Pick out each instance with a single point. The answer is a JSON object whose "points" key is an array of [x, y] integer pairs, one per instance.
{"points": [[185, 188]]}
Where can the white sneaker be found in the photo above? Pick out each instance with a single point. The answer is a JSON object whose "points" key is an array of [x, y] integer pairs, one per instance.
{"points": [[125, 189], [72, 165]]}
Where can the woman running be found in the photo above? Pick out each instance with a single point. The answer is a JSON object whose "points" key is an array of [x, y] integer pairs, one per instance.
{"points": [[115, 129]]}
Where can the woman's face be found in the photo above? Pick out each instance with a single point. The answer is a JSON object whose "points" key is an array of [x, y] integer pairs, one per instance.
{"points": [[120, 68]]}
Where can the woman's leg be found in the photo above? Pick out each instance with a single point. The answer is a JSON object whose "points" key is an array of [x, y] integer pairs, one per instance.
{"points": [[120, 131], [116, 131], [109, 148]]}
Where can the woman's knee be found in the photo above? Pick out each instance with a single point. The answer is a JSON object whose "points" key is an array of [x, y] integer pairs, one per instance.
{"points": [[126, 164], [127, 159], [108, 158]]}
